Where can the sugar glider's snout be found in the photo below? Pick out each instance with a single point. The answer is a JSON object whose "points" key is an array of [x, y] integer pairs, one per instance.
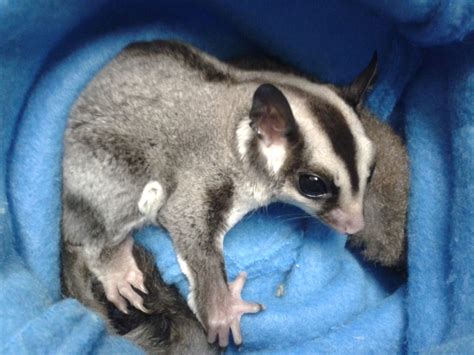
{"points": [[347, 222]]}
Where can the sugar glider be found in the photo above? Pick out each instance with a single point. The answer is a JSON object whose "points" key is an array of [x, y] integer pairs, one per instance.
{"points": [[166, 134]]}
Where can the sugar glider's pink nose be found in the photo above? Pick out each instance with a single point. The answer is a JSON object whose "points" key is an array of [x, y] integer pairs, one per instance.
{"points": [[346, 222]]}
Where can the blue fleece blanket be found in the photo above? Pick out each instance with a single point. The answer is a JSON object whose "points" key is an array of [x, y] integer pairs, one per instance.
{"points": [[332, 301]]}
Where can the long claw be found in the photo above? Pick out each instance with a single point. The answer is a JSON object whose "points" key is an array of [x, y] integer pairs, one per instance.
{"points": [[141, 307], [122, 306], [138, 283], [117, 300], [136, 300]]}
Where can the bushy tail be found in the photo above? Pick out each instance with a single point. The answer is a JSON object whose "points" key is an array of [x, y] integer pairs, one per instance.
{"points": [[171, 327]]}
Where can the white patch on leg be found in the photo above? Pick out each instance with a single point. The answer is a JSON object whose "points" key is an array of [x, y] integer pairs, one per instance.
{"points": [[183, 265], [151, 200]]}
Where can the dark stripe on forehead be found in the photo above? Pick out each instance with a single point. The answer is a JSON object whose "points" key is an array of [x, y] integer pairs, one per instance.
{"points": [[334, 124]]}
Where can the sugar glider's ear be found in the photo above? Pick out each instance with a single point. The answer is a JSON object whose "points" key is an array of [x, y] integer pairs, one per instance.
{"points": [[355, 92], [271, 116]]}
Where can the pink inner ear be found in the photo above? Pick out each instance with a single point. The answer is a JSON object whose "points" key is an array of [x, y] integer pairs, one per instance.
{"points": [[272, 127]]}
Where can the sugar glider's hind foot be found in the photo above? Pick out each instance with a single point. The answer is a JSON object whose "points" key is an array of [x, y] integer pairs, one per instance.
{"points": [[121, 277], [227, 315], [151, 200], [170, 327]]}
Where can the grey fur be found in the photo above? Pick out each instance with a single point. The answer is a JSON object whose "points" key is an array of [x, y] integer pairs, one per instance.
{"points": [[165, 112], [383, 240]]}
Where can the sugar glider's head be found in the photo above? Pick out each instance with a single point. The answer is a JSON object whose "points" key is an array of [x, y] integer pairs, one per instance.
{"points": [[310, 139]]}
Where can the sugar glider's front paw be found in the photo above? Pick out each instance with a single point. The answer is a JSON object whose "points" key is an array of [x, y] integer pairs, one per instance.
{"points": [[226, 316], [119, 275], [151, 200]]}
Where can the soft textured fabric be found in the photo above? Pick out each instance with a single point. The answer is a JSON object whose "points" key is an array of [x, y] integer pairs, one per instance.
{"points": [[332, 301]]}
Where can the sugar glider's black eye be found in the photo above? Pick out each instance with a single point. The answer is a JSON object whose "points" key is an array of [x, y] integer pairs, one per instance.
{"points": [[312, 186], [372, 169]]}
